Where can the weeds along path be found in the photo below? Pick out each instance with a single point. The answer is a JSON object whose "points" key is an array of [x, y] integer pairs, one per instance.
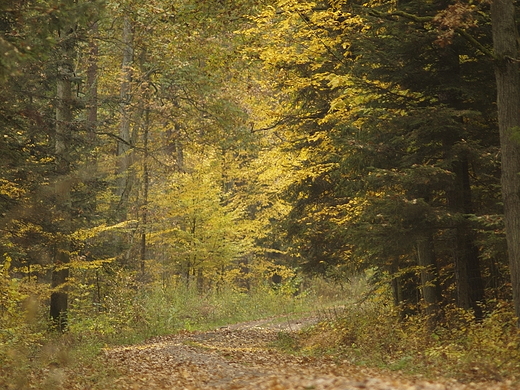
{"points": [[242, 357]]}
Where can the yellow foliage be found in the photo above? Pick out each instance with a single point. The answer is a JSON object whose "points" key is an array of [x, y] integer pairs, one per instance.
{"points": [[85, 234], [11, 190]]}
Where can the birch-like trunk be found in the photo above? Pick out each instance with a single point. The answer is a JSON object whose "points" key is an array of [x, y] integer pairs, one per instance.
{"points": [[146, 184], [92, 90]]}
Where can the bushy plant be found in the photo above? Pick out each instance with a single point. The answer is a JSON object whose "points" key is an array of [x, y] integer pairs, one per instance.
{"points": [[460, 346], [22, 328]]}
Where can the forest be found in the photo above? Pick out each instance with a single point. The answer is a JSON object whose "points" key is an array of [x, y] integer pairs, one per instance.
{"points": [[174, 165]]}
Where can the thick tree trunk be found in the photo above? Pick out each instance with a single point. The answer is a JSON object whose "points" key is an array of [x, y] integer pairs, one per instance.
{"points": [[470, 287], [59, 297], [505, 44]]}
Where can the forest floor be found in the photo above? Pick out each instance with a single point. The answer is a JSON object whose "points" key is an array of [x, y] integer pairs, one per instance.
{"points": [[244, 356]]}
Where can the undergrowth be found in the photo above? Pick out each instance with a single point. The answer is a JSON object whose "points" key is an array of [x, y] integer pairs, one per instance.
{"points": [[374, 334], [31, 356]]}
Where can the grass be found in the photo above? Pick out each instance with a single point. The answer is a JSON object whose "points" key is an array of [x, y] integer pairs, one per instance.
{"points": [[374, 334], [369, 333], [75, 359]]}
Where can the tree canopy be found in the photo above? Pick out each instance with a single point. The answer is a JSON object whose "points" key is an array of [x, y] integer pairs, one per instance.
{"points": [[221, 143]]}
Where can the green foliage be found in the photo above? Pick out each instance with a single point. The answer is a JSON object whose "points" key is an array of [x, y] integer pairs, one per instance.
{"points": [[301, 139], [22, 328], [128, 313], [385, 134]]}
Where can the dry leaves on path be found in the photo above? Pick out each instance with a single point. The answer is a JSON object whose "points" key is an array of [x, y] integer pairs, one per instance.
{"points": [[241, 357]]}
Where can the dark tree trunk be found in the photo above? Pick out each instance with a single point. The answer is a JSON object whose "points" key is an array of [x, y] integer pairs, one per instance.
{"points": [[59, 298], [429, 274], [200, 280], [397, 292], [62, 191], [470, 286], [505, 44]]}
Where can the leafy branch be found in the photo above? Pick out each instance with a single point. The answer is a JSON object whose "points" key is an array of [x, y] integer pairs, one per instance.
{"points": [[434, 19]]}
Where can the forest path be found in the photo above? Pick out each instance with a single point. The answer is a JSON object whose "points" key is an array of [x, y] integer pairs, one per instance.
{"points": [[241, 356]]}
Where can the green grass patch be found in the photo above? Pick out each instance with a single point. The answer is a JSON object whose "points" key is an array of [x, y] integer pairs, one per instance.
{"points": [[287, 342], [44, 360]]}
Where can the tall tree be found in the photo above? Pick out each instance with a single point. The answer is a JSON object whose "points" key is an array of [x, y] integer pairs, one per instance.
{"points": [[507, 72], [124, 144], [63, 146], [384, 149]]}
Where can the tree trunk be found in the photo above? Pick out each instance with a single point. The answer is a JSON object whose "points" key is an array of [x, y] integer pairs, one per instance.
{"points": [[429, 275], [174, 147], [59, 297], [146, 184], [124, 152], [200, 280], [397, 292], [62, 191], [469, 284], [92, 91], [505, 44], [470, 287]]}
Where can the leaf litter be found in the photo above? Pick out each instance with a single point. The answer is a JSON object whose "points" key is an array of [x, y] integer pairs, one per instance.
{"points": [[242, 356]]}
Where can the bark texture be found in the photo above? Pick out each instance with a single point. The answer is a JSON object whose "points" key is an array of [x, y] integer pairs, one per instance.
{"points": [[429, 275], [62, 191], [505, 46], [124, 151]]}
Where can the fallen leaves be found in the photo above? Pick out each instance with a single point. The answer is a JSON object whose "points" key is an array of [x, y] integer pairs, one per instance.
{"points": [[241, 357]]}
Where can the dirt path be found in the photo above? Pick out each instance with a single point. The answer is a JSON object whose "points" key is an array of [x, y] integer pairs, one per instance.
{"points": [[241, 357]]}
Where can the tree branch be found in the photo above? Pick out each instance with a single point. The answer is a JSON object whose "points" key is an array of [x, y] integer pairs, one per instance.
{"points": [[476, 43], [426, 19], [387, 15]]}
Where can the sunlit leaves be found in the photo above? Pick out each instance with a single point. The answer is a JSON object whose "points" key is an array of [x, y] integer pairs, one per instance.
{"points": [[368, 125], [194, 226]]}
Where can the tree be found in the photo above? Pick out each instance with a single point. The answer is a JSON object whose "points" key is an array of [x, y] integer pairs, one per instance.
{"points": [[63, 146], [125, 140], [507, 72], [385, 153], [195, 234]]}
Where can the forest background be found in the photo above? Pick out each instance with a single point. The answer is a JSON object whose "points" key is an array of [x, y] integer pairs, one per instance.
{"points": [[158, 156]]}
